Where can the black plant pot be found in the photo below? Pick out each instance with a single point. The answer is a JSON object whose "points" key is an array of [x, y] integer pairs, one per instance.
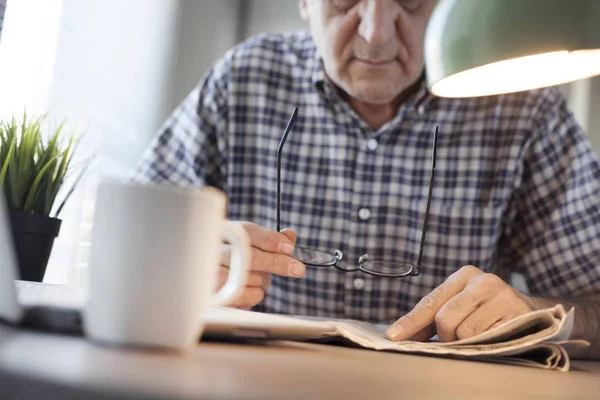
{"points": [[33, 239]]}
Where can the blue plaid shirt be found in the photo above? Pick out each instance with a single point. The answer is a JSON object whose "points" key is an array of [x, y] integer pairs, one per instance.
{"points": [[517, 184]]}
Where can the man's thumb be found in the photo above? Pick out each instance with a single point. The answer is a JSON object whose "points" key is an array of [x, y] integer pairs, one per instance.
{"points": [[290, 234]]}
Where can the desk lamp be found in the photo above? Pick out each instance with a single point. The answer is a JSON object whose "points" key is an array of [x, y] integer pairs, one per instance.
{"points": [[487, 47]]}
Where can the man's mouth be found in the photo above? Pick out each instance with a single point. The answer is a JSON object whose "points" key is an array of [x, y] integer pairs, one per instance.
{"points": [[377, 63]]}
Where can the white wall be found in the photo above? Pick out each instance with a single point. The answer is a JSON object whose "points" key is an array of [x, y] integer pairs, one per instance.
{"points": [[114, 69], [271, 16], [208, 29], [2, 8], [594, 114], [113, 74], [27, 54]]}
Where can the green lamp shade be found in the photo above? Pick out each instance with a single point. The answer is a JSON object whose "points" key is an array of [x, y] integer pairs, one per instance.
{"points": [[487, 47]]}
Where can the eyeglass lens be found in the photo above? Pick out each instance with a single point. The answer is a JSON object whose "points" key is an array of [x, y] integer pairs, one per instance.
{"points": [[313, 257]]}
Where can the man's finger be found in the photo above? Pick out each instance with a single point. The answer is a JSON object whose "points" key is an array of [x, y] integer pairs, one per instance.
{"points": [[255, 279], [259, 279], [456, 310], [274, 263], [424, 334], [499, 323], [268, 239], [249, 298], [425, 311], [290, 234], [265, 281], [278, 264], [480, 320]]}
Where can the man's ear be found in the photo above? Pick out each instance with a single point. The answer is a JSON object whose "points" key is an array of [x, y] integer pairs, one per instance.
{"points": [[303, 7]]}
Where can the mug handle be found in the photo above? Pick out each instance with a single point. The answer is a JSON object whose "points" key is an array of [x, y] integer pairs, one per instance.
{"points": [[240, 265]]}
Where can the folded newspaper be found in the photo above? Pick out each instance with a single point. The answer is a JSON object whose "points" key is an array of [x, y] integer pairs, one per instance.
{"points": [[536, 339]]}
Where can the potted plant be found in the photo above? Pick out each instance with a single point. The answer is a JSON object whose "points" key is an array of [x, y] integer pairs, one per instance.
{"points": [[33, 168]]}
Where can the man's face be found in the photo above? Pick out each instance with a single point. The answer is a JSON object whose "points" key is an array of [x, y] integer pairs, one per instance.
{"points": [[371, 49]]}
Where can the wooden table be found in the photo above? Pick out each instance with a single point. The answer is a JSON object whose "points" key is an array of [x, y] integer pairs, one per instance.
{"points": [[36, 365]]}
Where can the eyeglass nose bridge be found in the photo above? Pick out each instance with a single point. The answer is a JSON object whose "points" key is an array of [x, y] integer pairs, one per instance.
{"points": [[363, 259], [338, 255]]}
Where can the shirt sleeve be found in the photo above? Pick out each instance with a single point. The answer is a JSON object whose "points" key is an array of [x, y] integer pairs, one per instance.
{"points": [[553, 231], [189, 149]]}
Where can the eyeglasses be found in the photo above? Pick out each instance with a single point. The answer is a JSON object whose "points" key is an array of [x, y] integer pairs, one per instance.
{"points": [[380, 268]]}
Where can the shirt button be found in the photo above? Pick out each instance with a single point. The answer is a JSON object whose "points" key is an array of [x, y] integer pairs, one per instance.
{"points": [[359, 284], [421, 110], [364, 214], [372, 144]]}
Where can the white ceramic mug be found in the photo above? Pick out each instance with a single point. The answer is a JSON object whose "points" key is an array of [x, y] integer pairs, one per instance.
{"points": [[154, 264]]}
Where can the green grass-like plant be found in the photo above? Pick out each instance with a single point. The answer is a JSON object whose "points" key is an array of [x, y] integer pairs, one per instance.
{"points": [[32, 169]]}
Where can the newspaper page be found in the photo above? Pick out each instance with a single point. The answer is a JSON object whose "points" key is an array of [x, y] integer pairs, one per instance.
{"points": [[537, 339]]}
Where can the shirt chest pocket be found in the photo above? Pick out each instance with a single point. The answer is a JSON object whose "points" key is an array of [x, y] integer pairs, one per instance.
{"points": [[457, 235]]}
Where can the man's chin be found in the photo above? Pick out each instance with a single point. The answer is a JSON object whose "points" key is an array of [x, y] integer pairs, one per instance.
{"points": [[375, 95]]}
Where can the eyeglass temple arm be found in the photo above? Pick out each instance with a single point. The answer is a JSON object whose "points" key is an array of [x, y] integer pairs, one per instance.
{"points": [[288, 128], [424, 231]]}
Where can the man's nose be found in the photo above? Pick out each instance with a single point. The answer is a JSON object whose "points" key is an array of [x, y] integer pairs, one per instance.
{"points": [[378, 21]]}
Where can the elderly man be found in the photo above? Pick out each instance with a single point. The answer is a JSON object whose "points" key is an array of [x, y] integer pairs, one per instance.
{"points": [[516, 187]]}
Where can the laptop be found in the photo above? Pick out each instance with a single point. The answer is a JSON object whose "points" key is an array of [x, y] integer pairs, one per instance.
{"points": [[58, 308]]}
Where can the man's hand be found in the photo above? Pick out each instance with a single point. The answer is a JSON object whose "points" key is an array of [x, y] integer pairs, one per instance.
{"points": [[467, 303], [270, 254]]}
